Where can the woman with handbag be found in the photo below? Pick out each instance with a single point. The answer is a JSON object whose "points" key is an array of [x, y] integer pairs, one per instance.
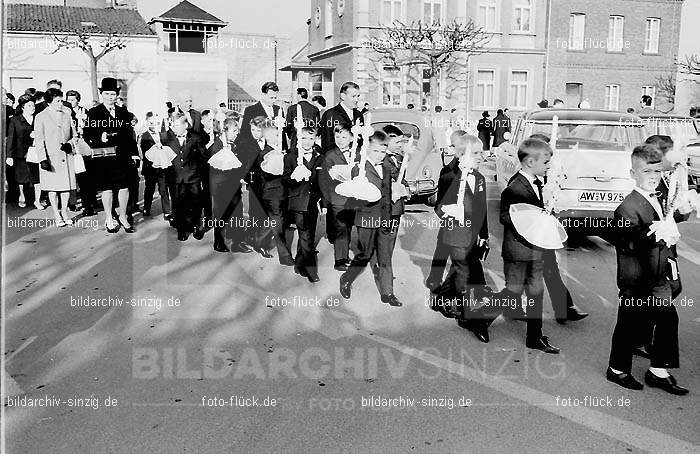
{"points": [[53, 132], [22, 154]]}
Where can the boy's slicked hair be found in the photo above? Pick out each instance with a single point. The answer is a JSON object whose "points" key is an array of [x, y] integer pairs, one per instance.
{"points": [[341, 127], [258, 121], [530, 147], [378, 136], [663, 143], [647, 153]]}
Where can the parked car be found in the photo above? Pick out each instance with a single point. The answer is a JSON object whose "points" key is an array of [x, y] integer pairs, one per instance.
{"points": [[595, 147], [423, 170]]}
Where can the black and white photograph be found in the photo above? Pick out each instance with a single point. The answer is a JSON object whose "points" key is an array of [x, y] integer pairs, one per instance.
{"points": [[350, 226]]}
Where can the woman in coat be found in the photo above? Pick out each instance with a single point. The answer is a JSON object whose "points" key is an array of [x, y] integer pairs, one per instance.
{"points": [[20, 137], [52, 134]]}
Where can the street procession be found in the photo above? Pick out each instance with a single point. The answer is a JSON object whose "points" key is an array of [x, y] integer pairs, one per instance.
{"points": [[443, 226]]}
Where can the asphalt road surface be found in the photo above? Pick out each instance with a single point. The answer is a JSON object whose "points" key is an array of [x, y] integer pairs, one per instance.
{"points": [[198, 351]]}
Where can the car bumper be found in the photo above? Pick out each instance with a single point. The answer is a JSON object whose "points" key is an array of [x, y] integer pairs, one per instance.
{"points": [[422, 187]]}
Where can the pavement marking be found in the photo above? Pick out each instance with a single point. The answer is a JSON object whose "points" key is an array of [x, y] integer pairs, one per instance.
{"points": [[21, 347], [643, 438]]}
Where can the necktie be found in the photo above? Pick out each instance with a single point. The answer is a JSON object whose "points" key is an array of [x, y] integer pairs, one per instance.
{"points": [[112, 112], [538, 183]]}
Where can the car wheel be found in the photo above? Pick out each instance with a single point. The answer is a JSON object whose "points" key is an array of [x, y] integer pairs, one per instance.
{"points": [[432, 200]]}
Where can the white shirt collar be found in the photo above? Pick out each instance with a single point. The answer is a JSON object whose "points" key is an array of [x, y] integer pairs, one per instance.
{"points": [[531, 180], [653, 201], [350, 112], [268, 109]]}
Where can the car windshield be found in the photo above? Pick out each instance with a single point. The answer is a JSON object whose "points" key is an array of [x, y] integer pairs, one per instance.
{"points": [[407, 128], [669, 127], [593, 136]]}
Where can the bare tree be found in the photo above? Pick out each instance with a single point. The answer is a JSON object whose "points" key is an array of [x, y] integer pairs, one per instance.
{"points": [[691, 65], [434, 45], [94, 44], [666, 87]]}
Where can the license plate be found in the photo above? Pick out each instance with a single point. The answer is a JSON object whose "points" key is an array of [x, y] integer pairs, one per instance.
{"points": [[601, 196]]}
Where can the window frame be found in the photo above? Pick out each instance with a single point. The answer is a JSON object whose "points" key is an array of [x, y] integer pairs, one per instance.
{"points": [[516, 8], [511, 84], [432, 4], [489, 4], [328, 19], [648, 39], [613, 44], [399, 78], [609, 98], [653, 94], [390, 21], [572, 34], [495, 88]]}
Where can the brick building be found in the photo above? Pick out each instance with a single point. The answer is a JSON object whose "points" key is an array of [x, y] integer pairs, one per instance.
{"points": [[508, 74], [610, 53]]}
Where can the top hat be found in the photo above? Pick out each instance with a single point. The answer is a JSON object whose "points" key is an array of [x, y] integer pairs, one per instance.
{"points": [[109, 84], [486, 114]]}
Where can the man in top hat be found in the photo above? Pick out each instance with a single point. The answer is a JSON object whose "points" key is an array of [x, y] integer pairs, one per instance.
{"points": [[485, 128]]}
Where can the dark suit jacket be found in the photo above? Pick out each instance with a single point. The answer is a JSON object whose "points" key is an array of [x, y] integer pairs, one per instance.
{"points": [[269, 186], [501, 124], [475, 208], [331, 118], [302, 195], [18, 137], [391, 170], [371, 214], [252, 111], [515, 247], [311, 117], [328, 184], [485, 128], [187, 163], [641, 261], [145, 143], [99, 121]]}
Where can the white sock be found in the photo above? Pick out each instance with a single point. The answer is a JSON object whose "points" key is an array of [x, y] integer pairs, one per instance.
{"points": [[614, 371], [659, 372]]}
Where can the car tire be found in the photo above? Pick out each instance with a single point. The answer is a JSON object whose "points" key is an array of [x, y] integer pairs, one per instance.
{"points": [[431, 200]]}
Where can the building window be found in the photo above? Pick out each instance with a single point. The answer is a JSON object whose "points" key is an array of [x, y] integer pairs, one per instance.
{"points": [[316, 82], [191, 38], [391, 86], [577, 27], [488, 15], [616, 26], [392, 11], [522, 15], [329, 18], [432, 11], [612, 97], [651, 35], [518, 89], [651, 91], [485, 88]]}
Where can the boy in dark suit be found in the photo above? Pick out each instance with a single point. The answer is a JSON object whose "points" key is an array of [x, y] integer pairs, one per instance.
{"points": [[302, 201], [188, 183], [340, 215], [368, 218], [273, 195], [163, 178], [463, 221], [344, 113], [522, 261], [643, 272]]}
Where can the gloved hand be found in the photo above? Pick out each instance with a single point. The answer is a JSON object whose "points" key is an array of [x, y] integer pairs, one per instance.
{"points": [[66, 147], [45, 165]]}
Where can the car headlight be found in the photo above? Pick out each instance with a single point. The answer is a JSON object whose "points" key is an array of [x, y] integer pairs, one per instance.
{"points": [[427, 173]]}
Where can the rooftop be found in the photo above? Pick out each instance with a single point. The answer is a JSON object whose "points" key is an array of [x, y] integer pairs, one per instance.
{"points": [[188, 12]]}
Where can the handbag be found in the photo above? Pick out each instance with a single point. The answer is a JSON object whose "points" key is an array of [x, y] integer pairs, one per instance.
{"points": [[32, 155], [79, 163]]}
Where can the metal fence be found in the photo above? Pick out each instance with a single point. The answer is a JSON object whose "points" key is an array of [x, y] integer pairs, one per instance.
{"points": [[239, 105]]}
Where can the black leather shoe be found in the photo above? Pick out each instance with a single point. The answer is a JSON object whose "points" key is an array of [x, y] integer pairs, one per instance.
{"points": [[345, 287], [241, 247], [286, 261], [262, 251], [391, 300], [642, 351], [668, 384], [313, 277], [624, 380], [518, 315], [477, 327], [573, 314], [300, 271], [114, 229], [182, 236], [129, 229], [198, 233], [221, 247], [542, 343], [341, 265], [146, 213]]}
